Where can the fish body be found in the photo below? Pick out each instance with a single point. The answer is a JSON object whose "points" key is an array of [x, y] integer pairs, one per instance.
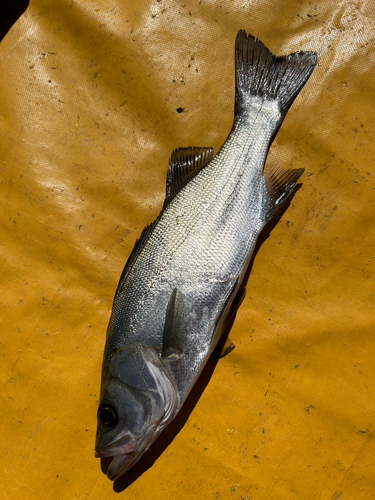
{"points": [[185, 274]]}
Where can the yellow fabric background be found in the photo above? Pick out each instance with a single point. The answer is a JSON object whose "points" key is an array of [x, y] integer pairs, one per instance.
{"points": [[88, 98]]}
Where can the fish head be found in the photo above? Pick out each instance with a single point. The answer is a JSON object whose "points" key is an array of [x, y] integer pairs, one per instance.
{"points": [[138, 398]]}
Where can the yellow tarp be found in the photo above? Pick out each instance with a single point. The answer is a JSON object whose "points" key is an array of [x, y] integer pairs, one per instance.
{"points": [[89, 93]]}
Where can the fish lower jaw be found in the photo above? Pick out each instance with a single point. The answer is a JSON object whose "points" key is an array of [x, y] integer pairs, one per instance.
{"points": [[125, 455], [121, 464]]}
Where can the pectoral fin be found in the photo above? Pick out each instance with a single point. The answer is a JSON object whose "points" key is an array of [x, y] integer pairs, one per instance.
{"points": [[175, 327]]}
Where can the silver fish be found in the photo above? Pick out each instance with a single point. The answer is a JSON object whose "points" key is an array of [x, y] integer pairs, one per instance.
{"points": [[184, 277]]}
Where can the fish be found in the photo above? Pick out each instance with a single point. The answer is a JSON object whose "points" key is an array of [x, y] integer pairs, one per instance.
{"points": [[184, 279]]}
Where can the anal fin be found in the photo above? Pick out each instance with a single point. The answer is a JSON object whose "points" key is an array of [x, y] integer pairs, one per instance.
{"points": [[175, 327], [280, 184]]}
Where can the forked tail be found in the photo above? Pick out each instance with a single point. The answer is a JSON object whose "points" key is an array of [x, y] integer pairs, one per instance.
{"points": [[261, 74]]}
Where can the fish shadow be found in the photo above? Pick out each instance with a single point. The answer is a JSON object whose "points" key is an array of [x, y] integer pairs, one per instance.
{"points": [[10, 12], [170, 432]]}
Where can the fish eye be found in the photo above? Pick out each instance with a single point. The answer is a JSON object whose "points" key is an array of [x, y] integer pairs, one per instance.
{"points": [[107, 416]]}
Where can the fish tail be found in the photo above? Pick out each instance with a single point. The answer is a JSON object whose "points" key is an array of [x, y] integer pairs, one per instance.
{"points": [[259, 73]]}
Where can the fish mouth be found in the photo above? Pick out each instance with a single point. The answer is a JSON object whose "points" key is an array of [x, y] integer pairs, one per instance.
{"points": [[123, 453], [122, 445]]}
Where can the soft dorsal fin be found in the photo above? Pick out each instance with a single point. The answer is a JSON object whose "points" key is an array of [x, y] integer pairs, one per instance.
{"points": [[175, 327], [280, 184], [184, 164]]}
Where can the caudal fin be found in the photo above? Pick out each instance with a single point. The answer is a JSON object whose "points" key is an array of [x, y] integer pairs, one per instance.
{"points": [[260, 73]]}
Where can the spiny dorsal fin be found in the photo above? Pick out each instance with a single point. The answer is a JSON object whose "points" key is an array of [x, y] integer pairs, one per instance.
{"points": [[184, 164], [138, 246], [280, 184], [175, 327]]}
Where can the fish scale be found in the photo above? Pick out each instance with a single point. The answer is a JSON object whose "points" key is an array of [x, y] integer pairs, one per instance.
{"points": [[183, 282], [167, 255]]}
